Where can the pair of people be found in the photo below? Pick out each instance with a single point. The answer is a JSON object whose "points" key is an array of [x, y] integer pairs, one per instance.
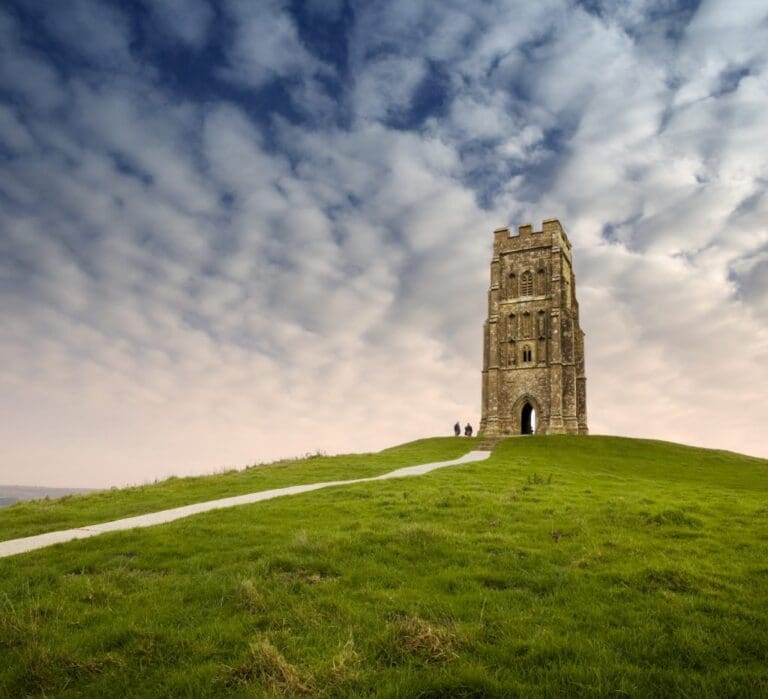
{"points": [[467, 430]]}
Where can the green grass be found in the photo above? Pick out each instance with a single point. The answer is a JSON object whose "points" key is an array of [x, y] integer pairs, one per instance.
{"points": [[40, 516], [589, 566]]}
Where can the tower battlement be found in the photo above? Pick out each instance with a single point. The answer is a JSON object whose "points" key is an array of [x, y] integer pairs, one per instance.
{"points": [[552, 233], [533, 359]]}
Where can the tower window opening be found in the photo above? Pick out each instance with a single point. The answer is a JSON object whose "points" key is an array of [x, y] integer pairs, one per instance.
{"points": [[527, 354], [526, 284]]}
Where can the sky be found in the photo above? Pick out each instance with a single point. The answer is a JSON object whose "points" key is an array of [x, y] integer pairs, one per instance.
{"points": [[237, 231]]}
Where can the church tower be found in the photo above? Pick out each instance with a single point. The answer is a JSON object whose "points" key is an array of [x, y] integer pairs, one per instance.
{"points": [[533, 346]]}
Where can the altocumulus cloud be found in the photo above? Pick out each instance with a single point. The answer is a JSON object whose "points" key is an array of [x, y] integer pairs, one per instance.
{"points": [[236, 231]]}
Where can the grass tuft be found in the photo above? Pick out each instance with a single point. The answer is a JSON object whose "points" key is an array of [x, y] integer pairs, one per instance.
{"points": [[667, 579], [251, 597], [412, 638], [266, 666], [345, 669], [673, 517], [420, 536]]}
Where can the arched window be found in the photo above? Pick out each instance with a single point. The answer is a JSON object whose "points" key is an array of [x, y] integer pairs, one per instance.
{"points": [[527, 355], [526, 284]]}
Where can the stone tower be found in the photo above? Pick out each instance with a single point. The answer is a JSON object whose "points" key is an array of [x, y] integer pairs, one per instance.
{"points": [[533, 347]]}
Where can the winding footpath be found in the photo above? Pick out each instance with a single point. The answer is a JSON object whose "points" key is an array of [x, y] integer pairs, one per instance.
{"points": [[30, 543]]}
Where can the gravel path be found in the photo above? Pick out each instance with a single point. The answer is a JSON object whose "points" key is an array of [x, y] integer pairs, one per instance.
{"points": [[29, 543]]}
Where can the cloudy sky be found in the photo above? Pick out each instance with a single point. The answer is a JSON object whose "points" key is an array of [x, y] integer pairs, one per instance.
{"points": [[234, 231]]}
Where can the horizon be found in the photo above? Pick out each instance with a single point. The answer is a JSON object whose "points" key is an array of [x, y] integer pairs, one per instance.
{"points": [[221, 471], [231, 232]]}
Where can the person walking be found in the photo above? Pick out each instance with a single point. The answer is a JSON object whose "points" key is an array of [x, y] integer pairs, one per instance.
{"points": [[457, 429], [468, 430]]}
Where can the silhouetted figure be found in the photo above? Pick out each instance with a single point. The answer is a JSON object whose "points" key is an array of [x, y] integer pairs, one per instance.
{"points": [[457, 429], [468, 430]]}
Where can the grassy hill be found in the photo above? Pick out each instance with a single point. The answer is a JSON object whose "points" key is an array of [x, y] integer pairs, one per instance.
{"points": [[40, 516], [562, 565]]}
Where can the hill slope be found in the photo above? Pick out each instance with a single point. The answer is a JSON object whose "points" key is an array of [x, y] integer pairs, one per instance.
{"points": [[40, 516], [580, 565]]}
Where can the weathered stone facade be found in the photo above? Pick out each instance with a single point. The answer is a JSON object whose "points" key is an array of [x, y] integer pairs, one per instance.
{"points": [[533, 358]]}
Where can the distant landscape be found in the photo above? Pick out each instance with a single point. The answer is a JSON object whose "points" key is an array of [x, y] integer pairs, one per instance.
{"points": [[15, 493]]}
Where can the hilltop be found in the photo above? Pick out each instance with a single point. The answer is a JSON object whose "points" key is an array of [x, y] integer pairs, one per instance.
{"points": [[578, 565]]}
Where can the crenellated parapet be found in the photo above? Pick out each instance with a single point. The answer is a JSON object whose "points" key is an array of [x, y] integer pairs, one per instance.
{"points": [[552, 234]]}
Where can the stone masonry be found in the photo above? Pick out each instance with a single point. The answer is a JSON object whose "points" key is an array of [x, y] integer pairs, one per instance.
{"points": [[533, 346]]}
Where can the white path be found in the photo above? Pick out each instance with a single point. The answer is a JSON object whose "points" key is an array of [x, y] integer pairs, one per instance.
{"points": [[29, 543]]}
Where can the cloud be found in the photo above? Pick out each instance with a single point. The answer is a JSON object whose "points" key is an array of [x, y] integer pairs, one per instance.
{"points": [[266, 45], [15, 136], [94, 30], [386, 86], [21, 74], [187, 21], [329, 8], [296, 256]]}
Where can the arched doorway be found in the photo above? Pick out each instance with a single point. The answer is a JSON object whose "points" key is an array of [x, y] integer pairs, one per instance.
{"points": [[528, 419]]}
